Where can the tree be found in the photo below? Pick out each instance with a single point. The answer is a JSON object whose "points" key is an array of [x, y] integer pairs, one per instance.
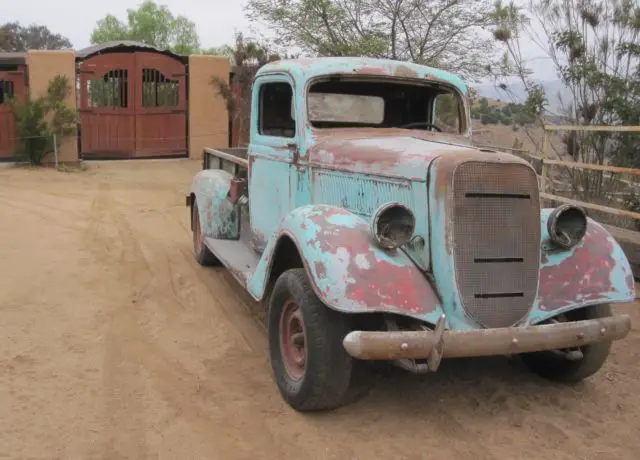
{"points": [[246, 56], [593, 47], [153, 25], [17, 38], [441, 33]]}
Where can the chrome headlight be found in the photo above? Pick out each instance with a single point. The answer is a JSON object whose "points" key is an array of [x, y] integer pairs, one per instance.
{"points": [[392, 225], [567, 226]]}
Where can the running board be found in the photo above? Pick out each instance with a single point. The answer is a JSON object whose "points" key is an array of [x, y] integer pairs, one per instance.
{"points": [[236, 255]]}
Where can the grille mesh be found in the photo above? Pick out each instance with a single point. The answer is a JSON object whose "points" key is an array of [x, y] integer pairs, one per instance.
{"points": [[496, 240]]}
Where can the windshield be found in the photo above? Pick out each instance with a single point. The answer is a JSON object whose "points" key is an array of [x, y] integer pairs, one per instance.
{"points": [[341, 102]]}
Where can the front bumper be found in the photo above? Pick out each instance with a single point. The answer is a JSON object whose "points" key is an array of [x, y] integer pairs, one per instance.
{"points": [[437, 344]]}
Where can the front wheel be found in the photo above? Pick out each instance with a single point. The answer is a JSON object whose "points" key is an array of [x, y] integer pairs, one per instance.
{"points": [[572, 366], [310, 365]]}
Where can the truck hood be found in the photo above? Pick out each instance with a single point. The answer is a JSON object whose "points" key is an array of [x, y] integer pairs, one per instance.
{"points": [[401, 155]]}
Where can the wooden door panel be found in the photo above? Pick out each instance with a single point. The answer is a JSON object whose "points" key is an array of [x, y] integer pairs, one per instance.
{"points": [[107, 105], [160, 105], [12, 85]]}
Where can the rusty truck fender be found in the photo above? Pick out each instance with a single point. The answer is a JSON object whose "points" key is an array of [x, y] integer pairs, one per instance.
{"points": [[595, 271], [219, 217], [348, 272]]}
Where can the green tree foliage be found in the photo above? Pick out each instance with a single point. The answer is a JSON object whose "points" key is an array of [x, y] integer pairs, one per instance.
{"points": [[39, 119], [449, 34], [509, 114], [594, 48], [153, 25], [246, 56], [17, 38]]}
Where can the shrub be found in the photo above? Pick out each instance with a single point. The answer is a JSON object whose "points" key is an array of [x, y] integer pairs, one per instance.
{"points": [[39, 119]]}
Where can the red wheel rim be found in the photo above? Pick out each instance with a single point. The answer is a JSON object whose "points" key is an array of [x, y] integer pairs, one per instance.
{"points": [[293, 340], [197, 232]]}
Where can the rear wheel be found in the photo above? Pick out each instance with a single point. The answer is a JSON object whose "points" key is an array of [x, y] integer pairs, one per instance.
{"points": [[572, 365], [310, 365], [202, 253]]}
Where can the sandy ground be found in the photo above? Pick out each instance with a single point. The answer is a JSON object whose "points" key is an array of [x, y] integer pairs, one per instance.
{"points": [[116, 344]]}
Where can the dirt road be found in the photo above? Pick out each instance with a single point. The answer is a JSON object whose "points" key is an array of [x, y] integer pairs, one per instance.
{"points": [[115, 344]]}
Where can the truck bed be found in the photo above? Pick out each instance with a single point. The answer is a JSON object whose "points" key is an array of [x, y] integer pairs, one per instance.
{"points": [[222, 158], [238, 256]]}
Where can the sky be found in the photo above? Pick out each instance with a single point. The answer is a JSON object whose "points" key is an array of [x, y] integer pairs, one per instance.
{"points": [[216, 20]]}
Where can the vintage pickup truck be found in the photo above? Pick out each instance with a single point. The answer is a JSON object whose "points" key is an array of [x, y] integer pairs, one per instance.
{"points": [[373, 230]]}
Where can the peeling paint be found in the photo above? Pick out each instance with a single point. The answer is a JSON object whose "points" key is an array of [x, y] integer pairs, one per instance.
{"points": [[401, 156], [219, 217], [320, 188], [348, 271], [306, 69], [593, 272]]}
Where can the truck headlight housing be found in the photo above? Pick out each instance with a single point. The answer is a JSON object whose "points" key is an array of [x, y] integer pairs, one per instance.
{"points": [[567, 226], [392, 225]]}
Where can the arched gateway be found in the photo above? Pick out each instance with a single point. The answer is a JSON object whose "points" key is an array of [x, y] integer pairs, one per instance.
{"points": [[132, 101]]}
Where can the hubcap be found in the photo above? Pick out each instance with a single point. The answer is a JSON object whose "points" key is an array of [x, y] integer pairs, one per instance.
{"points": [[293, 340]]}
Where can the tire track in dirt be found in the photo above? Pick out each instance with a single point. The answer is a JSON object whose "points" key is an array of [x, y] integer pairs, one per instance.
{"points": [[62, 217], [199, 396], [130, 348], [236, 310], [124, 406]]}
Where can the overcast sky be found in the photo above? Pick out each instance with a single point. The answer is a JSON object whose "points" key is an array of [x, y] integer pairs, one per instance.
{"points": [[216, 20]]}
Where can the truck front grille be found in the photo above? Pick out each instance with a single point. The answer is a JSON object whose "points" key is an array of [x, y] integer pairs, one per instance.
{"points": [[496, 240]]}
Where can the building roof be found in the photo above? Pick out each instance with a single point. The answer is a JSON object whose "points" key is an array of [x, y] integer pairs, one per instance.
{"points": [[124, 46], [313, 67], [13, 58]]}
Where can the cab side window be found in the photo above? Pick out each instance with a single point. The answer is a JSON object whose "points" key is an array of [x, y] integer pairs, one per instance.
{"points": [[276, 117], [447, 113]]}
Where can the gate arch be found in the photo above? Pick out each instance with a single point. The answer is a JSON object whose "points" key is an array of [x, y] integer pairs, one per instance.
{"points": [[133, 102], [13, 78]]}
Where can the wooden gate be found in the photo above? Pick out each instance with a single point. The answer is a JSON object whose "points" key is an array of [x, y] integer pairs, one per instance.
{"points": [[12, 85], [132, 105]]}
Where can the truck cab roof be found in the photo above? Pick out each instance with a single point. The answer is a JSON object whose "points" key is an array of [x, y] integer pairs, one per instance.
{"points": [[309, 68]]}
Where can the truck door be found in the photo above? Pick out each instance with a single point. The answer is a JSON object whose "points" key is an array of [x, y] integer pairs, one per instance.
{"points": [[271, 154]]}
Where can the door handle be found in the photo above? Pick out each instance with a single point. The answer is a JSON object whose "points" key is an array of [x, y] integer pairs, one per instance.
{"points": [[294, 150]]}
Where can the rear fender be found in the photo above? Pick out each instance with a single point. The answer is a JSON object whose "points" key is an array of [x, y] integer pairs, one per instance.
{"points": [[219, 217], [595, 271], [347, 271]]}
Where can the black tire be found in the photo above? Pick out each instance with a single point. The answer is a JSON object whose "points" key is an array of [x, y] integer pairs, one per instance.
{"points": [[201, 252], [556, 368], [329, 377]]}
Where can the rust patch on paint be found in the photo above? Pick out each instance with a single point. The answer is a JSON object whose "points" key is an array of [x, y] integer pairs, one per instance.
{"points": [[585, 276], [406, 72], [371, 70], [258, 240], [321, 270], [370, 278]]}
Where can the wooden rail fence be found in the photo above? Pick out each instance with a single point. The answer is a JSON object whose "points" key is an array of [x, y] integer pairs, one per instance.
{"points": [[628, 239]]}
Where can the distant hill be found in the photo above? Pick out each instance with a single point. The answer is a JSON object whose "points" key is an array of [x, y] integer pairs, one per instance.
{"points": [[510, 125], [555, 93]]}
